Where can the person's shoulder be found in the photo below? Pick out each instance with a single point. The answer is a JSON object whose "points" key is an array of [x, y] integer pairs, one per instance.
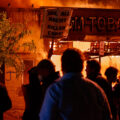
{"points": [[101, 79], [54, 91], [59, 85], [55, 86], [90, 82], [97, 91], [3, 89], [93, 85]]}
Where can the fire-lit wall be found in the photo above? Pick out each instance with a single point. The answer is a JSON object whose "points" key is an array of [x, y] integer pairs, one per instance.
{"points": [[67, 3], [32, 18]]}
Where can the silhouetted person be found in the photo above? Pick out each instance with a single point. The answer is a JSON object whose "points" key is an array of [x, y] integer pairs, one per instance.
{"points": [[93, 73], [32, 95], [111, 74], [5, 102], [116, 95], [46, 74], [40, 78], [73, 97]]}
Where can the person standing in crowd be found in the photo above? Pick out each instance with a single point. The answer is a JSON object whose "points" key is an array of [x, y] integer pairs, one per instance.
{"points": [[73, 97], [116, 95], [40, 78], [93, 73], [46, 74], [5, 102], [32, 96], [111, 75]]}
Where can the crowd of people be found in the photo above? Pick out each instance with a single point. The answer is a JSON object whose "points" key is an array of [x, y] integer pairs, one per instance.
{"points": [[70, 97]]}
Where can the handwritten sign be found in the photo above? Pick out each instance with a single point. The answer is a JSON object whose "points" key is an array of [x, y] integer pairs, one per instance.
{"points": [[56, 22]]}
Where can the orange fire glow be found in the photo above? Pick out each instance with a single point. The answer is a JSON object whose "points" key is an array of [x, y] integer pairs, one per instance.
{"points": [[14, 86], [62, 3]]}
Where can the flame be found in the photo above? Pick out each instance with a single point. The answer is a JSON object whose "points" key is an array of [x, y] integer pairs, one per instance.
{"points": [[61, 3], [39, 53]]}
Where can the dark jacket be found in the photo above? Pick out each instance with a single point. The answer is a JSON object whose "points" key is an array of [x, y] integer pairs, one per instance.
{"points": [[103, 83], [116, 95], [75, 98], [50, 79], [5, 102], [34, 95]]}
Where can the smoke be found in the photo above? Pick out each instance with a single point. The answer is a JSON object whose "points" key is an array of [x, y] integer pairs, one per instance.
{"points": [[65, 3]]}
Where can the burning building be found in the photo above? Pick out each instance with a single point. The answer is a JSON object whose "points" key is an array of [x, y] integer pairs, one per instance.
{"points": [[29, 13]]}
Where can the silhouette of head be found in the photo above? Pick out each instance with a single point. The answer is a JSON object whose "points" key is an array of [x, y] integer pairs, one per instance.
{"points": [[93, 67], [72, 61], [45, 68], [111, 74], [33, 76]]}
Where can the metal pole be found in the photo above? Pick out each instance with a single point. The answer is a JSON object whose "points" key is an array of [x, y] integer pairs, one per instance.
{"points": [[50, 53], [99, 54], [100, 59]]}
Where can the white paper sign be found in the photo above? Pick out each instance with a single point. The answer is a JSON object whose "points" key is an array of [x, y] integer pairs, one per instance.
{"points": [[56, 22]]}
